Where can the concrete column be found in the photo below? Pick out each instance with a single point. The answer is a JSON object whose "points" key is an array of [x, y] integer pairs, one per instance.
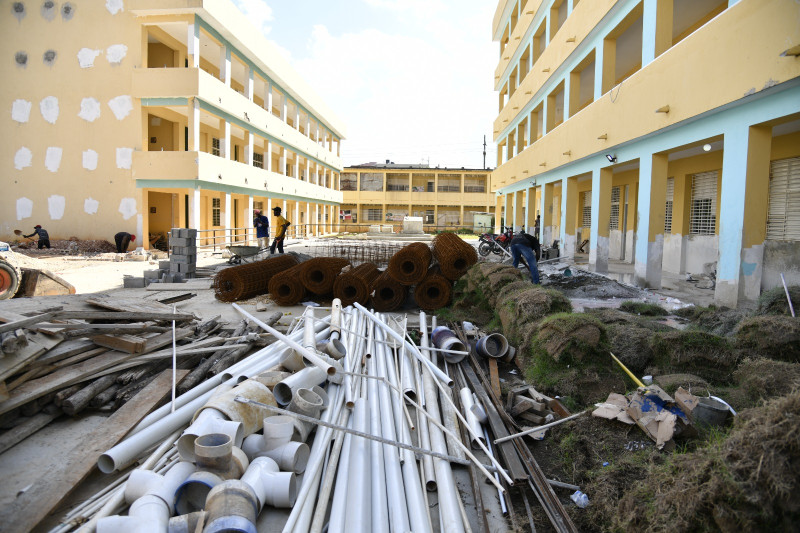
{"points": [[248, 85], [269, 215], [568, 80], [650, 209], [742, 225], [194, 125], [308, 126], [248, 221], [547, 26], [569, 210], [225, 65], [317, 222], [268, 97], [194, 210], [498, 212], [268, 156], [296, 219], [284, 107], [297, 167], [530, 209], [282, 162], [226, 218], [193, 38], [519, 210], [225, 141], [248, 150], [656, 29], [508, 211], [546, 209], [297, 117], [601, 207]]}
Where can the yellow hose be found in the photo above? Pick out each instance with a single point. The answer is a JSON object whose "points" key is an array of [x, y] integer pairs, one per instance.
{"points": [[625, 368]]}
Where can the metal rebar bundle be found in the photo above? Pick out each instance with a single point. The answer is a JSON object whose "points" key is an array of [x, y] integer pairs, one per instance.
{"points": [[434, 291], [286, 288], [319, 274], [354, 285], [359, 251], [245, 281], [410, 264], [388, 293], [453, 255]]}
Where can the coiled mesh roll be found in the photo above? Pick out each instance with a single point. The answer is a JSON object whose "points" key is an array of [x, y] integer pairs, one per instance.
{"points": [[434, 291], [410, 264], [388, 294], [245, 281], [319, 274], [453, 255], [286, 288], [354, 285]]}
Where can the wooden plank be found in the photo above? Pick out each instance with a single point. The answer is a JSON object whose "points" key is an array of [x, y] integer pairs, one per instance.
{"points": [[526, 404], [135, 305], [558, 408], [122, 343], [3, 392], [13, 321], [24, 430], [196, 286], [64, 350], [175, 298], [494, 377], [65, 474], [37, 345], [123, 315]]}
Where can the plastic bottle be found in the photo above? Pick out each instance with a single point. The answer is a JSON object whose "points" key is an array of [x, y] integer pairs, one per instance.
{"points": [[580, 499]]}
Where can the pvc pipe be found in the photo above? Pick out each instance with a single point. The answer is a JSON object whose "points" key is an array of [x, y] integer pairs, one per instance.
{"points": [[304, 379], [444, 339], [358, 516], [231, 506], [207, 422], [336, 318], [309, 403], [186, 523], [448, 504], [472, 421], [493, 345], [379, 503], [409, 384], [273, 487], [292, 361], [500, 495], [276, 444]]}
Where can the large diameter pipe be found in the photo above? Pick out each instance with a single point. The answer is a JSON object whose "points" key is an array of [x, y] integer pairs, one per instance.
{"points": [[304, 379], [444, 339], [494, 346], [358, 516]]}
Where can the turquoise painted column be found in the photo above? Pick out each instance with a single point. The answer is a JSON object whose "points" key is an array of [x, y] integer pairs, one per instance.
{"points": [[567, 84], [650, 208], [601, 211], [656, 29], [507, 214], [569, 195], [742, 226], [598, 71]]}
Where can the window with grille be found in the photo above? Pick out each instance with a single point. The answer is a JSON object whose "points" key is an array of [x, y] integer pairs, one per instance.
{"points": [[703, 214], [449, 185], [216, 208], [374, 215], [215, 146], [348, 181], [668, 208], [613, 221], [587, 209], [783, 217], [258, 160]]}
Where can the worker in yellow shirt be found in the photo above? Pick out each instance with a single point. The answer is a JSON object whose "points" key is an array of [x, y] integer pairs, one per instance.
{"points": [[281, 224]]}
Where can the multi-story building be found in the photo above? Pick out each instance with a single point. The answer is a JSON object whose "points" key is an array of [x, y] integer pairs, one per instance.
{"points": [[142, 115], [664, 132], [385, 193]]}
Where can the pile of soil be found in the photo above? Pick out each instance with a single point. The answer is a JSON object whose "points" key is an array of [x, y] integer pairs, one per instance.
{"points": [[773, 336], [745, 482], [762, 379], [72, 246], [697, 352], [720, 321], [587, 285], [571, 337]]}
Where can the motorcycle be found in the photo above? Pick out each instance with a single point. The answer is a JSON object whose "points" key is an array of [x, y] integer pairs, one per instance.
{"points": [[496, 244]]}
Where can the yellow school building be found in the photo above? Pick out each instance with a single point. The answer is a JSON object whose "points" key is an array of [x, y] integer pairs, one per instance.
{"points": [[385, 193], [666, 133], [143, 115]]}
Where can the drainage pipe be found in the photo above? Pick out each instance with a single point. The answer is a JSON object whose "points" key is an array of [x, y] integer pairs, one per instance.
{"points": [[309, 403], [304, 379], [448, 504], [338, 503], [273, 487], [500, 495], [467, 403], [444, 339], [379, 503], [276, 443], [358, 516], [494, 346]]}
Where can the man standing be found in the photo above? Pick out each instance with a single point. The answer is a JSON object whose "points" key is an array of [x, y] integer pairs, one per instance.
{"points": [[261, 223], [44, 237], [280, 233], [123, 239], [524, 244]]}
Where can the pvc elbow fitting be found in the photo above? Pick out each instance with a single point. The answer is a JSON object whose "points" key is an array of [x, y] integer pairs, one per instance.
{"points": [[304, 379], [148, 514], [276, 444]]}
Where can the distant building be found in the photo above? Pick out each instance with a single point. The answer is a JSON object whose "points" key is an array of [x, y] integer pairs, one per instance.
{"points": [[386, 193], [144, 115], [664, 132]]}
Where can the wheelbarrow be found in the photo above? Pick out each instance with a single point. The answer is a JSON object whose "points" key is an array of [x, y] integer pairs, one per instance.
{"points": [[244, 254]]}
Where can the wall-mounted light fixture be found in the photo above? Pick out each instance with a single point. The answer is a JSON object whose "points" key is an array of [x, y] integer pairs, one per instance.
{"points": [[611, 158], [706, 147]]}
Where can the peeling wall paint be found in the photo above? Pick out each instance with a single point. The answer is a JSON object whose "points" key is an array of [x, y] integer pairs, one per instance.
{"points": [[49, 109], [86, 57], [127, 206], [21, 58], [90, 206], [67, 11], [89, 159], [49, 57], [115, 53], [124, 158], [52, 159], [90, 109], [18, 9], [21, 110], [24, 208], [49, 10], [121, 106], [114, 6], [23, 158], [55, 206]]}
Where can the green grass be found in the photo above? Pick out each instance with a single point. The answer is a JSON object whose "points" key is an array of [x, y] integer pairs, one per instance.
{"points": [[642, 308]]}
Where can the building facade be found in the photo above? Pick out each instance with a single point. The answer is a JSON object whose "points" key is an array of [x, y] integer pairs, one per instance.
{"points": [[142, 115], [443, 197], [664, 132]]}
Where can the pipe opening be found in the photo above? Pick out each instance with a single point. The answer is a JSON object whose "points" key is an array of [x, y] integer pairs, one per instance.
{"points": [[386, 293], [350, 292], [316, 276], [282, 393], [433, 293], [408, 267], [105, 464], [460, 264]]}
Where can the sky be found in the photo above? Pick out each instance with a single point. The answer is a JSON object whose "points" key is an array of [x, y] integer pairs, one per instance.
{"points": [[410, 79]]}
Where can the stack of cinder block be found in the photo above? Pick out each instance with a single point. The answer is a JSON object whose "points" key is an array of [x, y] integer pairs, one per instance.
{"points": [[183, 253]]}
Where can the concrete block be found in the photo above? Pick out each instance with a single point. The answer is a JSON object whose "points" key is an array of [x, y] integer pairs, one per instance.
{"points": [[180, 233], [163, 265], [152, 274], [178, 241], [185, 259], [183, 250], [183, 268], [190, 233], [133, 283]]}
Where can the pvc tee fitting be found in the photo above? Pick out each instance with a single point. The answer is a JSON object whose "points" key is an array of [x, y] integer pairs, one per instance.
{"points": [[276, 443]]}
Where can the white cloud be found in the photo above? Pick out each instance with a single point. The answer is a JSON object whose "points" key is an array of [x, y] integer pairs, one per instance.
{"points": [[258, 12]]}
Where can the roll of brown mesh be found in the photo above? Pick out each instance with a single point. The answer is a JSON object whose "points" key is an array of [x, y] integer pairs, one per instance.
{"points": [[245, 281], [453, 255], [354, 285], [434, 291], [387, 293], [319, 274], [410, 264], [286, 288]]}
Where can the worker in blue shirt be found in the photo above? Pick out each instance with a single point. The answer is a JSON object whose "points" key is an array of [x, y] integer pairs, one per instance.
{"points": [[261, 223], [527, 246], [44, 237]]}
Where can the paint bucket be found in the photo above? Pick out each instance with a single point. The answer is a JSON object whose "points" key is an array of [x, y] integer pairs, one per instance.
{"points": [[494, 346], [710, 412], [444, 339]]}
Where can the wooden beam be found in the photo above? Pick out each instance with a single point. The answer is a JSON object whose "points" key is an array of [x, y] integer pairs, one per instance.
{"points": [[65, 474], [37, 345], [123, 315], [123, 343], [13, 321], [494, 377]]}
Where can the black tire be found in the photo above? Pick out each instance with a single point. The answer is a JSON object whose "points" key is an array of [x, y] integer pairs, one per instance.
{"points": [[497, 249], [9, 281], [484, 249]]}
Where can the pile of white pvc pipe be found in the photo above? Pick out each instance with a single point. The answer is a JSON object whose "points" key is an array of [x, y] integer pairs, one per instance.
{"points": [[386, 439]]}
